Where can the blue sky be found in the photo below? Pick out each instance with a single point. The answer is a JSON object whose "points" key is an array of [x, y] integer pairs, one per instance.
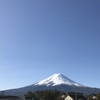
{"points": [[39, 38]]}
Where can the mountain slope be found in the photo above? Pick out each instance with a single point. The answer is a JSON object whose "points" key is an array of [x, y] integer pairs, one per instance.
{"points": [[56, 81]]}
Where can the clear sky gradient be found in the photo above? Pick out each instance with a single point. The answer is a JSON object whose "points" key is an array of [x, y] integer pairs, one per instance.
{"points": [[39, 38]]}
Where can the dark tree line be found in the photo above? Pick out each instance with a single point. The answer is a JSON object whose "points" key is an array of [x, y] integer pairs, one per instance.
{"points": [[46, 94], [54, 95]]}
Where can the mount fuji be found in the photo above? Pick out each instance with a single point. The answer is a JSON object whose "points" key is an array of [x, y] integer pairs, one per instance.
{"points": [[56, 81]]}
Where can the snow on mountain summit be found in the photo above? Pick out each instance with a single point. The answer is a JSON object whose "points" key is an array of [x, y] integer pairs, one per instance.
{"points": [[57, 79]]}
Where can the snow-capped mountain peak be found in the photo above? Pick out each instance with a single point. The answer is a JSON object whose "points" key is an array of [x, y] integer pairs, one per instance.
{"points": [[57, 79]]}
